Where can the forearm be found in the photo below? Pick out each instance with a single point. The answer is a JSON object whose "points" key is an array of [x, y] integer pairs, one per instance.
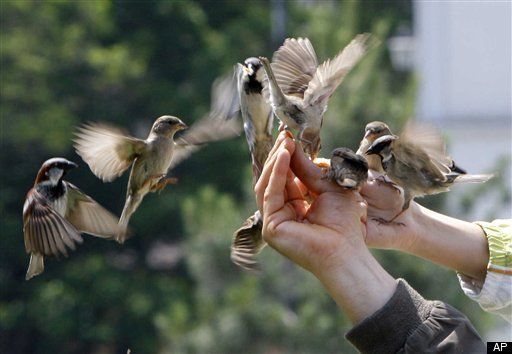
{"points": [[453, 243], [359, 285]]}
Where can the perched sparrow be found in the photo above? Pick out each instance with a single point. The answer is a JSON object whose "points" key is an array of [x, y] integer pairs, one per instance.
{"points": [[299, 88], [248, 243], [56, 212], [109, 151], [419, 164], [256, 113], [347, 169], [373, 131]]}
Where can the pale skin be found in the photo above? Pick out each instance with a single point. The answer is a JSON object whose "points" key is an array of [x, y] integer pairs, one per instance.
{"points": [[328, 234]]}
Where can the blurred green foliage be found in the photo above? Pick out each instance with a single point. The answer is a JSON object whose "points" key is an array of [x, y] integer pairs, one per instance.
{"points": [[172, 288]]}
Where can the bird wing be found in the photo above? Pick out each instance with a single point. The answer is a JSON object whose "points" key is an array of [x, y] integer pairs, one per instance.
{"points": [[331, 73], [107, 150], [430, 140], [294, 65], [216, 125], [247, 243], [86, 215], [44, 230]]}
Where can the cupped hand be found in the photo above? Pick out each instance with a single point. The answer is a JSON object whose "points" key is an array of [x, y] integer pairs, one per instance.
{"points": [[318, 235]]}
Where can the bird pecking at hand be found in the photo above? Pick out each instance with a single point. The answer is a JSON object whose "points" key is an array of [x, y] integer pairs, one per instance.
{"points": [[299, 89]]}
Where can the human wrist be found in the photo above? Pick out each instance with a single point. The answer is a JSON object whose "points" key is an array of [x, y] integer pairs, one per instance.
{"points": [[453, 243], [358, 284]]}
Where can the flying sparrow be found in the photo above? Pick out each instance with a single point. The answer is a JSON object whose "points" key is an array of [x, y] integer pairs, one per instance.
{"points": [[419, 164], [347, 169], [299, 88], [256, 113], [109, 151], [56, 212], [258, 125]]}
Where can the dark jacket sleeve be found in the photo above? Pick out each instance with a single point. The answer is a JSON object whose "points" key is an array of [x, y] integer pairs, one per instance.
{"points": [[408, 323]]}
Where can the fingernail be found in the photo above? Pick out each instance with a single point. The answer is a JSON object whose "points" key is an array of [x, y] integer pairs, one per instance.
{"points": [[288, 134]]}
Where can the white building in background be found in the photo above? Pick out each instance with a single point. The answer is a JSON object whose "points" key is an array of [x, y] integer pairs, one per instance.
{"points": [[462, 52]]}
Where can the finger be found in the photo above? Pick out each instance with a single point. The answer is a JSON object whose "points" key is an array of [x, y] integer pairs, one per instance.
{"points": [[274, 193], [310, 174], [262, 183], [282, 135]]}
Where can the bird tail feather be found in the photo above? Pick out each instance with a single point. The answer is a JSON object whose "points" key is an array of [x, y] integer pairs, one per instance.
{"points": [[132, 203], [36, 265]]}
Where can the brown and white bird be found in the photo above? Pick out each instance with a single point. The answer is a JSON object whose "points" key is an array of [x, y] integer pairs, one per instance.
{"points": [[56, 212], [347, 169], [299, 88], [417, 162], [372, 131], [258, 125], [109, 151], [256, 113]]}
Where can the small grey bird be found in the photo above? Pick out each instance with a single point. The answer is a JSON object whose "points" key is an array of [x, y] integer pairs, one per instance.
{"points": [[419, 164], [299, 88], [347, 169], [56, 212], [258, 125], [109, 151], [256, 113], [372, 131]]}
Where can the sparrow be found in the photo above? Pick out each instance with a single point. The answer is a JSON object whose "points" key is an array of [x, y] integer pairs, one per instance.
{"points": [[256, 113], [109, 151], [258, 125], [372, 131], [56, 212], [419, 164], [347, 169], [299, 89]]}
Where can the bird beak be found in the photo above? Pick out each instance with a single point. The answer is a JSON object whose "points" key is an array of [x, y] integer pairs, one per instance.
{"points": [[248, 71], [370, 151], [71, 165], [182, 126], [368, 133]]}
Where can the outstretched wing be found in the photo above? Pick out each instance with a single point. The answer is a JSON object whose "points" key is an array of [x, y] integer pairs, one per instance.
{"points": [[107, 150], [44, 230], [331, 73], [216, 125], [294, 65], [430, 140], [86, 215]]}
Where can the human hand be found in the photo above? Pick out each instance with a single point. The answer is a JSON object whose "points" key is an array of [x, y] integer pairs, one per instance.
{"points": [[384, 202], [319, 235], [324, 235], [453, 243]]}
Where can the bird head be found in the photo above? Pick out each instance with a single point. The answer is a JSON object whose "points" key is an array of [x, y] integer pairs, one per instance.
{"points": [[54, 169], [167, 126], [343, 153], [382, 146], [252, 71], [376, 129]]}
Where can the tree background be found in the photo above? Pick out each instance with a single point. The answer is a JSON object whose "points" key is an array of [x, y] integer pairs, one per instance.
{"points": [[172, 288]]}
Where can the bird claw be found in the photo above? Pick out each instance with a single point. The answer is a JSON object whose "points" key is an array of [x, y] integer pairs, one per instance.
{"points": [[164, 182], [382, 221]]}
